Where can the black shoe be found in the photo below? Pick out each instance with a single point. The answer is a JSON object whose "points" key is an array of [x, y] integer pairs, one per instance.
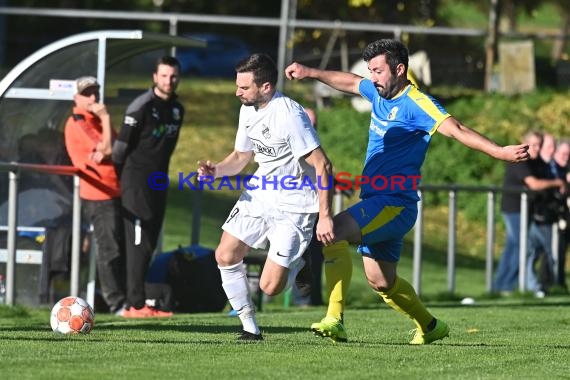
{"points": [[246, 335], [305, 276]]}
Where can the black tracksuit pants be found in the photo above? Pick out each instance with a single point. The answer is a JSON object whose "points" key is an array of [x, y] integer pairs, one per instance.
{"points": [[141, 237]]}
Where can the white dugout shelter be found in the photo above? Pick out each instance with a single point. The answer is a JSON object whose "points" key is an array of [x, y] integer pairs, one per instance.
{"points": [[35, 100]]}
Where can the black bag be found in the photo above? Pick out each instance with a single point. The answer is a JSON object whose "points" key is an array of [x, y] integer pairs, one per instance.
{"points": [[195, 281]]}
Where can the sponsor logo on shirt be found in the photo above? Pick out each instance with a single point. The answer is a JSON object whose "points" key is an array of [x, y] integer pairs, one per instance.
{"points": [[263, 149], [379, 121], [158, 131], [171, 129], [377, 129], [167, 130]]}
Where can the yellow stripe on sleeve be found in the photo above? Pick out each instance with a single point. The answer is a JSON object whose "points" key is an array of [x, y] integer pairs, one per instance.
{"points": [[426, 104]]}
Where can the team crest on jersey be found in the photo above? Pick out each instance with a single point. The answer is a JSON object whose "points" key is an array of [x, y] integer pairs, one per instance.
{"points": [[155, 114], [265, 132], [176, 114], [392, 114]]}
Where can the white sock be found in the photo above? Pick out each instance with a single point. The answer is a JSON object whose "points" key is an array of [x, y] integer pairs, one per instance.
{"points": [[236, 286]]}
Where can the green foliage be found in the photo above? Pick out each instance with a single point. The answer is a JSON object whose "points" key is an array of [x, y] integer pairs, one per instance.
{"points": [[531, 14], [210, 128], [344, 135], [545, 14], [504, 119], [344, 132], [462, 14]]}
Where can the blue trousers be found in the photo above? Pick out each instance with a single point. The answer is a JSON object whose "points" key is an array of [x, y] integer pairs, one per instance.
{"points": [[507, 274], [539, 244]]}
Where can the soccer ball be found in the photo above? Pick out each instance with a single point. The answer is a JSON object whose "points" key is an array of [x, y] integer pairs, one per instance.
{"points": [[72, 315]]}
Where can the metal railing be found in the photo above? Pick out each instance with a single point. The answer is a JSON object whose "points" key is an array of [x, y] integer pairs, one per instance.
{"points": [[14, 169], [286, 23], [491, 191]]}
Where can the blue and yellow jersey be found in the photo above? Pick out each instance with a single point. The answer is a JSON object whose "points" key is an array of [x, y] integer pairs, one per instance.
{"points": [[399, 136]]}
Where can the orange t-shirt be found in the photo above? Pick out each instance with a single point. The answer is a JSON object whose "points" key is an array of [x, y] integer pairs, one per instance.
{"points": [[82, 133]]}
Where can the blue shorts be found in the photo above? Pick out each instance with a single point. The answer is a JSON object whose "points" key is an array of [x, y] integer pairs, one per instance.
{"points": [[384, 221]]}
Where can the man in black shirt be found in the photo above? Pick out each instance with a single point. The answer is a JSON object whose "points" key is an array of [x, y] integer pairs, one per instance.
{"points": [[142, 155], [541, 218]]}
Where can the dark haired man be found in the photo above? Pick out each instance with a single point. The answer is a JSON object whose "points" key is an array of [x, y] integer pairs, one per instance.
{"points": [[144, 146], [274, 208], [402, 123]]}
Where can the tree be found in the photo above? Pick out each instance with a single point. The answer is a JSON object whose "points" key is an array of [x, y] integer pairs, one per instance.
{"points": [[560, 43], [491, 43]]}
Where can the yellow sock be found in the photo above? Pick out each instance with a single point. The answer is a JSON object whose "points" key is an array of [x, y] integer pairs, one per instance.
{"points": [[403, 298], [338, 272]]}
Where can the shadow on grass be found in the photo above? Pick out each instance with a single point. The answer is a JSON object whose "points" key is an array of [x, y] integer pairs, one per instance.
{"points": [[189, 328], [160, 326], [512, 302]]}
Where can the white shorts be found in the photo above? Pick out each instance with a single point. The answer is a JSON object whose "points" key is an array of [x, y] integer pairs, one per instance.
{"points": [[256, 224]]}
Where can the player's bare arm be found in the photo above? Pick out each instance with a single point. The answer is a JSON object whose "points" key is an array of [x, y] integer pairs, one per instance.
{"points": [[323, 168], [231, 165], [342, 81], [452, 128]]}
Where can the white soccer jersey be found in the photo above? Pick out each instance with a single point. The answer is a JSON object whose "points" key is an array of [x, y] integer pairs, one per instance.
{"points": [[279, 135]]}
